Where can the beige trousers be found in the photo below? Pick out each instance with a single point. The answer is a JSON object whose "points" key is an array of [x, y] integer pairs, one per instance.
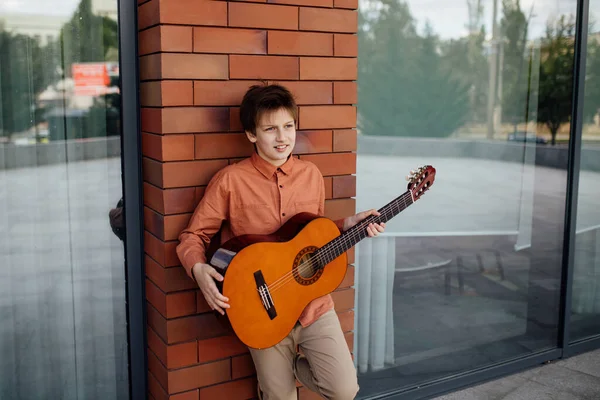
{"points": [[326, 367]]}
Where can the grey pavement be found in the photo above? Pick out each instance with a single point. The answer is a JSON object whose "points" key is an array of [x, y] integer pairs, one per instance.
{"points": [[576, 378]]}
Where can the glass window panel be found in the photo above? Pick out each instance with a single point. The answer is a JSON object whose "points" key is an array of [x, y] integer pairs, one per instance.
{"points": [[468, 276], [585, 305], [62, 286]]}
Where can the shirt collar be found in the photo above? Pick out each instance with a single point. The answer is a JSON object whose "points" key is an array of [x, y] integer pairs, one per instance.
{"points": [[268, 169]]}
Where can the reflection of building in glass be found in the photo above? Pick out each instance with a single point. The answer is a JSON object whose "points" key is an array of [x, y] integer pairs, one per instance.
{"points": [[44, 27], [47, 27]]}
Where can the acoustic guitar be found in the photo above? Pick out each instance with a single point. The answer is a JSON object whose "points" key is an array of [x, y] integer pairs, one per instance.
{"points": [[270, 279]]}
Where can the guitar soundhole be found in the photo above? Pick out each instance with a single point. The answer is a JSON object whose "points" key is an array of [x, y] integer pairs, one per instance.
{"points": [[306, 270]]}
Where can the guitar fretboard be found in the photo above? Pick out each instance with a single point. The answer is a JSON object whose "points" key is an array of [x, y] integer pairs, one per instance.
{"points": [[358, 232]]}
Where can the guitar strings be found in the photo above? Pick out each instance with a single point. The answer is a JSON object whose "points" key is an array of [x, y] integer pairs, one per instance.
{"points": [[386, 211]]}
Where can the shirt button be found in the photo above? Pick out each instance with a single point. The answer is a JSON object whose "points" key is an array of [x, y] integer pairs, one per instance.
{"points": [[280, 186], [283, 215]]}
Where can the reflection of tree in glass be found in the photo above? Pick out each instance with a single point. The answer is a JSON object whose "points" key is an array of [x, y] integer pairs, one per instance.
{"points": [[26, 68], [515, 68], [404, 89], [556, 75]]}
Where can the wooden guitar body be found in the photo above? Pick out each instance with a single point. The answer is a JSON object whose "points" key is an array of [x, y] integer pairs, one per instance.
{"points": [[272, 278]]}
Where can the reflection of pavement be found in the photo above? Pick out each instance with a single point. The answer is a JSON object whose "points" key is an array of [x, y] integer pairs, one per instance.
{"points": [[469, 195], [62, 293], [461, 292]]}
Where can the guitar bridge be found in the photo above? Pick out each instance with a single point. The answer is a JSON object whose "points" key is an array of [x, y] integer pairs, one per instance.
{"points": [[265, 295]]}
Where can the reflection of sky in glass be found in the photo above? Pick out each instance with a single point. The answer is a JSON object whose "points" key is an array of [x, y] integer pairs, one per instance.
{"points": [[49, 7], [449, 18]]}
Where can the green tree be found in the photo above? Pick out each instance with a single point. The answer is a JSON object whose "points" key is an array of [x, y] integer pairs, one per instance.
{"points": [[403, 88], [514, 27], [87, 37], [26, 68], [591, 105], [556, 75]]}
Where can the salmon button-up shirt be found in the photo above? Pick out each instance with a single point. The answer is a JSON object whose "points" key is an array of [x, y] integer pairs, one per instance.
{"points": [[255, 197]]}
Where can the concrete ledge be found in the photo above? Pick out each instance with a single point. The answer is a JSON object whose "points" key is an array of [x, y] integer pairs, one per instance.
{"points": [[545, 155], [57, 152]]}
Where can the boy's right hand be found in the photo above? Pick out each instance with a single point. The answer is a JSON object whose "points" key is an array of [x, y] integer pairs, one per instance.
{"points": [[205, 276]]}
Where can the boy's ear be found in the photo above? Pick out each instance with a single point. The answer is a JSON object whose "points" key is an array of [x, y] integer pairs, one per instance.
{"points": [[251, 136]]}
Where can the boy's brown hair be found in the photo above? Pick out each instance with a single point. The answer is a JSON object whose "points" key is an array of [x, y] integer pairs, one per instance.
{"points": [[265, 97]]}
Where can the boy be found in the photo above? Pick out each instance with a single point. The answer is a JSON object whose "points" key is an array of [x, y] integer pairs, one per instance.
{"points": [[258, 195]]}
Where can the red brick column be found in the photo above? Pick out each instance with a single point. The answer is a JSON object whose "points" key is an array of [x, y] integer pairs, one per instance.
{"points": [[197, 58]]}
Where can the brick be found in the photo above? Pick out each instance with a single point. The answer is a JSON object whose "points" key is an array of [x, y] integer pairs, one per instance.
{"points": [[148, 14], [194, 66], [156, 297], [198, 376], [191, 395], [150, 67], [306, 394], [328, 180], [349, 336], [171, 259], [156, 344], [180, 304], [149, 41], [165, 38], [201, 304], [179, 200], [182, 355], [193, 12], [344, 186], [230, 41], [172, 201], [156, 321], [340, 208], [183, 66], [154, 247], [179, 174], [220, 347], [309, 93], [349, 278], [334, 163], [313, 142], [242, 366], [168, 148], [351, 4], [345, 93], [158, 370], [194, 119], [235, 125], [168, 279], [156, 391], [240, 389], [174, 224], [327, 117], [343, 299], [344, 140], [264, 16], [326, 68], [300, 43], [345, 45], [222, 145], [314, 3], [347, 320], [190, 173], [154, 223], [202, 326], [328, 20], [263, 67], [220, 93], [166, 93]]}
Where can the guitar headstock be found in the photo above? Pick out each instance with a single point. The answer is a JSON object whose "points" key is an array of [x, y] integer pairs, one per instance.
{"points": [[420, 181]]}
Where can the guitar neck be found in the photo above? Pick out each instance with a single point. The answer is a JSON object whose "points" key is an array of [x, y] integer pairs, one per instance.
{"points": [[358, 232]]}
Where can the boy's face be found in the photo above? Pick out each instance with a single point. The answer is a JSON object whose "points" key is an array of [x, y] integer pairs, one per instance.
{"points": [[275, 136]]}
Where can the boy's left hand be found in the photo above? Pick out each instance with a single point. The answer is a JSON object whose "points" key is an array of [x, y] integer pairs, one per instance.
{"points": [[373, 229]]}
